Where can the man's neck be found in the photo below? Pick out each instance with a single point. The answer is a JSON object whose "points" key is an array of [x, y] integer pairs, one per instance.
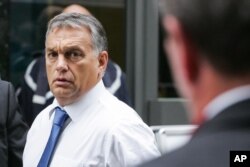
{"points": [[211, 86]]}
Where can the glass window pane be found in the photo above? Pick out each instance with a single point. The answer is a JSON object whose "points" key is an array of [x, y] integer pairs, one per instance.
{"points": [[4, 39], [27, 29]]}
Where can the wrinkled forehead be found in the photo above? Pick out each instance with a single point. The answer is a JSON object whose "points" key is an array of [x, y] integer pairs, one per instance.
{"points": [[54, 28], [68, 36]]}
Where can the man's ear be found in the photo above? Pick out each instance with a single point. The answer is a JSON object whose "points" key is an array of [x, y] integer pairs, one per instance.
{"points": [[103, 61], [184, 46]]}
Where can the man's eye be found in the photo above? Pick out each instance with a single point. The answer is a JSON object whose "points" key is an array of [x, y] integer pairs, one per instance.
{"points": [[74, 55], [52, 55]]}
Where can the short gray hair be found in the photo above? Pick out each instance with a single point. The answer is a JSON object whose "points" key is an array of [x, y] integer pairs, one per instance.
{"points": [[77, 20]]}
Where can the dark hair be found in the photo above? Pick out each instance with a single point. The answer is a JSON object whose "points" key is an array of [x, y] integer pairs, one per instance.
{"points": [[219, 28]]}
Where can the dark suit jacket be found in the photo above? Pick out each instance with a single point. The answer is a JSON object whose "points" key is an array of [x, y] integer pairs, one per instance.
{"points": [[213, 141], [12, 128]]}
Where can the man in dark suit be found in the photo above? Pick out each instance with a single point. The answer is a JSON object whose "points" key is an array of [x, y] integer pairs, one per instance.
{"points": [[208, 49], [12, 128]]}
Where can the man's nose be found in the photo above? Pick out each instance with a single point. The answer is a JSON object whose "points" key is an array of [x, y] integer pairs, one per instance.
{"points": [[62, 64]]}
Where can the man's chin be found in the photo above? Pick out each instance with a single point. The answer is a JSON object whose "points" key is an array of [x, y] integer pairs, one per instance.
{"points": [[64, 99], [62, 93]]}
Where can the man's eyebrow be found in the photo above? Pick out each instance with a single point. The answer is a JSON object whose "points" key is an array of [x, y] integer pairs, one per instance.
{"points": [[65, 48], [72, 47], [50, 49]]}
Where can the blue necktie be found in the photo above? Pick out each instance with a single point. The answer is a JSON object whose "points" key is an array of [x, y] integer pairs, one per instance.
{"points": [[58, 122]]}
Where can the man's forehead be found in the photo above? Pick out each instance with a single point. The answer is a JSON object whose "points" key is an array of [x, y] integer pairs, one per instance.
{"points": [[67, 43], [55, 43], [69, 35]]}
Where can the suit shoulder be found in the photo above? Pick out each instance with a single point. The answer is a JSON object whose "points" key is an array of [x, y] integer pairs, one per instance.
{"points": [[4, 84], [6, 89]]}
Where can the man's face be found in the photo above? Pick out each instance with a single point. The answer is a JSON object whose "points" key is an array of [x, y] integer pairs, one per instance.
{"points": [[72, 68], [175, 49]]}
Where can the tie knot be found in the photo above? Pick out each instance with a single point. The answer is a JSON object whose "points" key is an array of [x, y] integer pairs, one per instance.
{"points": [[60, 116]]}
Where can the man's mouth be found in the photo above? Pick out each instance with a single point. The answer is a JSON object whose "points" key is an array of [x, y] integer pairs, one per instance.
{"points": [[62, 82]]}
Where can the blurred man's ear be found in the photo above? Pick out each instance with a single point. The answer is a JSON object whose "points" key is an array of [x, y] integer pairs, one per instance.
{"points": [[181, 46]]}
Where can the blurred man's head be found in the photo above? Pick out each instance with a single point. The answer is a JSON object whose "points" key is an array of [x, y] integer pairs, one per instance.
{"points": [[217, 28], [74, 8], [207, 44]]}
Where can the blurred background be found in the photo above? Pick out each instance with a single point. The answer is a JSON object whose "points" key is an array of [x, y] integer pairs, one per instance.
{"points": [[135, 43]]}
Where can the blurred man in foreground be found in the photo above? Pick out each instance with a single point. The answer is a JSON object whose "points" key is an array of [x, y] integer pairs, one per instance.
{"points": [[208, 48]]}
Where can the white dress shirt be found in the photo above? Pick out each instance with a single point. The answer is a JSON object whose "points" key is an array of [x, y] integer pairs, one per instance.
{"points": [[225, 100], [101, 132]]}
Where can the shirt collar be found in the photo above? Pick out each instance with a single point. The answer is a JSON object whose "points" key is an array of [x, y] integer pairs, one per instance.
{"points": [[225, 100], [76, 109]]}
